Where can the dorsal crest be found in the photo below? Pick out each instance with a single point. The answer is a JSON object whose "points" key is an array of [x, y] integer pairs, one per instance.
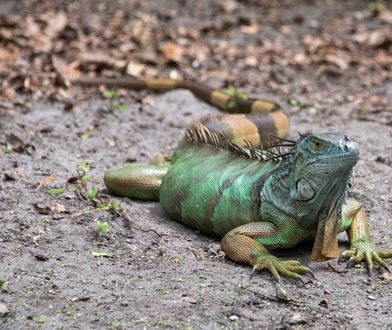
{"points": [[277, 150]]}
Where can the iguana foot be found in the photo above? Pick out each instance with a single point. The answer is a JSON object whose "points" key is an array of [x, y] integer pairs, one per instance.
{"points": [[290, 268], [364, 250]]}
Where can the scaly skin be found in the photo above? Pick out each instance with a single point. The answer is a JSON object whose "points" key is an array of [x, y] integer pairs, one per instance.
{"points": [[216, 183]]}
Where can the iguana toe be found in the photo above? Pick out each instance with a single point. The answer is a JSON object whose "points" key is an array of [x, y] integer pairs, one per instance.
{"points": [[290, 268], [365, 251]]}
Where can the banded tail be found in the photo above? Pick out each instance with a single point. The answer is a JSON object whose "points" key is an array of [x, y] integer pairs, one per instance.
{"points": [[251, 122]]}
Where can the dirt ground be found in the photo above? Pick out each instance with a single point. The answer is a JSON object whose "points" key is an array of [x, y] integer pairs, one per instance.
{"points": [[328, 63]]}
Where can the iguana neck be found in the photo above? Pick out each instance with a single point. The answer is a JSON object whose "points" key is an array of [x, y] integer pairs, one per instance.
{"points": [[279, 187]]}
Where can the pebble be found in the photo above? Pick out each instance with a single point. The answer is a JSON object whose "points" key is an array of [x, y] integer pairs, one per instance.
{"points": [[296, 318], [233, 318], [371, 297], [3, 310]]}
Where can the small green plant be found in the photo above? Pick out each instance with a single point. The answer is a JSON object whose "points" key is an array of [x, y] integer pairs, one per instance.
{"points": [[100, 202], [42, 319], [121, 107], [294, 102], [236, 95], [55, 192], [110, 94], [231, 91], [118, 325], [91, 193], [102, 228], [102, 254]]}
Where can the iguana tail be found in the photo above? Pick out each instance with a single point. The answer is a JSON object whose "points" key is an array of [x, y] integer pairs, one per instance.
{"points": [[251, 123], [256, 120], [139, 181]]}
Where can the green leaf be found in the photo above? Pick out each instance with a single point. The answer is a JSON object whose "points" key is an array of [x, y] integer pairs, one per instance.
{"points": [[297, 103], [55, 192], [109, 94], [230, 91], [242, 96], [42, 319], [116, 206], [91, 193], [104, 207], [121, 107], [103, 254], [84, 166], [102, 228], [85, 178], [231, 104]]}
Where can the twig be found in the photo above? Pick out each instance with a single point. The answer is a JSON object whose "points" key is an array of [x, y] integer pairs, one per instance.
{"points": [[276, 299]]}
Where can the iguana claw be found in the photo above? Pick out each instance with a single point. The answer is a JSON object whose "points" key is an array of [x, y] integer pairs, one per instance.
{"points": [[365, 251], [290, 268]]}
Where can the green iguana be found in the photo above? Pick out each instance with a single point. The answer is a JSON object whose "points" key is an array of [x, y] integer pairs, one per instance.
{"points": [[238, 177]]}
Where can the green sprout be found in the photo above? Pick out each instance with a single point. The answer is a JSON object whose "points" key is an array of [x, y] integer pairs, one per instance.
{"points": [[110, 94], [91, 193], [231, 91], [297, 103], [55, 192], [121, 107], [102, 228]]}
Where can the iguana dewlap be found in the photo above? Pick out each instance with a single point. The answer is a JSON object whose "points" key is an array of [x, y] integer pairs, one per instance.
{"points": [[230, 177]]}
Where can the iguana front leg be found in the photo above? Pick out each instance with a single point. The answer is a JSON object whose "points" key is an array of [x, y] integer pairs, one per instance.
{"points": [[355, 223], [248, 244]]}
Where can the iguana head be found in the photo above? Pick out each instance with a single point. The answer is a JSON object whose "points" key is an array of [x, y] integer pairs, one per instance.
{"points": [[323, 165]]}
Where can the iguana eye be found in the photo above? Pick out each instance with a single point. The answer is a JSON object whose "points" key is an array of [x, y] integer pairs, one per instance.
{"points": [[317, 146]]}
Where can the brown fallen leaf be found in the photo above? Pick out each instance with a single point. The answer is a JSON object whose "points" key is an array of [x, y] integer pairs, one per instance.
{"points": [[56, 24], [45, 182], [341, 61], [374, 39], [42, 209], [48, 209], [172, 51], [65, 71]]}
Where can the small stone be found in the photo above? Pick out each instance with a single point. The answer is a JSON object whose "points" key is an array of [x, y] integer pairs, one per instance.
{"points": [[371, 297], [3, 310], [233, 318], [189, 300], [296, 318], [41, 257]]}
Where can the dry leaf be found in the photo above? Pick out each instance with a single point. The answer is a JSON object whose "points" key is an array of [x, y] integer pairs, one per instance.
{"points": [[46, 181], [340, 61], [42, 209], [172, 51], [56, 24], [250, 29]]}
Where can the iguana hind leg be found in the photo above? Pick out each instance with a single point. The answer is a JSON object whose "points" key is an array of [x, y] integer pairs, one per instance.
{"points": [[355, 223], [248, 244], [139, 181]]}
